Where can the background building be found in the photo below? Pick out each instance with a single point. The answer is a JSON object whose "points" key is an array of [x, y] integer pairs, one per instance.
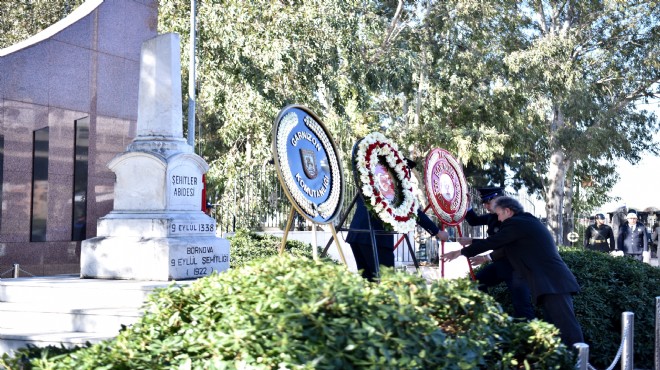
{"points": [[68, 105]]}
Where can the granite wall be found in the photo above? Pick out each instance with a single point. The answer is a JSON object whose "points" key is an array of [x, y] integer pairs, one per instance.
{"points": [[86, 65]]}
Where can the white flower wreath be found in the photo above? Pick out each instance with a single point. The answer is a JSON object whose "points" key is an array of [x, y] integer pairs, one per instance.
{"points": [[371, 149]]}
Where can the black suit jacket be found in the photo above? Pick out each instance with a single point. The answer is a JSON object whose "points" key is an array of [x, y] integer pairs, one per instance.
{"points": [[532, 251], [493, 226], [604, 233], [489, 219], [361, 221]]}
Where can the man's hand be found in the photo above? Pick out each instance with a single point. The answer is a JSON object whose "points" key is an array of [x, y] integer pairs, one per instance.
{"points": [[464, 240], [479, 260], [450, 256], [442, 235]]}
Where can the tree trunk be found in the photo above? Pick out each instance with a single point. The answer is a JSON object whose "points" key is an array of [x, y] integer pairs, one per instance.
{"points": [[555, 195], [569, 211], [557, 170]]}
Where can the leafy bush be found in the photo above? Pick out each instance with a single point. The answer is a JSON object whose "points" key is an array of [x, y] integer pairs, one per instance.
{"points": [[247, 246], [22, 358], [609, 287], [292, 312]]}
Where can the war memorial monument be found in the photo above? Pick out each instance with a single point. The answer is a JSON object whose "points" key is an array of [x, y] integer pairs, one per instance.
{"points": [[157, 230]]}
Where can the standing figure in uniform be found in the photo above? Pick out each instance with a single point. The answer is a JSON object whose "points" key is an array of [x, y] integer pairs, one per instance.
{"points": [[633, 239], [655, 240], [599, 237], [499, 270]]}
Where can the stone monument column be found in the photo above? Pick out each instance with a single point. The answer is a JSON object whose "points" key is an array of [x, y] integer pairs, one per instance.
{"points": [[156, 230]]}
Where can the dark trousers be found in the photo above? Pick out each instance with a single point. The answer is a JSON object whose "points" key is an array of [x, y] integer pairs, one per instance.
{"points": [[364, 258], [500, 271], [558, 310]]}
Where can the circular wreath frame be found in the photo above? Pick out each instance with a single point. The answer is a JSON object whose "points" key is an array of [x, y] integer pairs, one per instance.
{"points": [[460, 203], [402, 218], [284, 123]]}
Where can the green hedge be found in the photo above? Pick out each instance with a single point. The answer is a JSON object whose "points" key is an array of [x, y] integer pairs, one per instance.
{"points": [[248, 246], [289, 312], [609, 286]]}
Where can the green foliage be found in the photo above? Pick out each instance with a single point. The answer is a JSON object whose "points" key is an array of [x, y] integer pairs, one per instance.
{"points": [[22, 357], [504, 85], [24, 18], [248, 246], [609, 286], [292, 312], [254, 58]]}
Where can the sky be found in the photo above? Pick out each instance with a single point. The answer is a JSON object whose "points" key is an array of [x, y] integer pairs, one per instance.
{"points": [[639, 185]]}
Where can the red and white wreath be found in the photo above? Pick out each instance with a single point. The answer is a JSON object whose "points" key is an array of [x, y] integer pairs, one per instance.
{"points": [[374, 152]]}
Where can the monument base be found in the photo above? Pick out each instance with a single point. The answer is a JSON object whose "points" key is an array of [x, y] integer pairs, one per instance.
{"points": [[159, 258]]}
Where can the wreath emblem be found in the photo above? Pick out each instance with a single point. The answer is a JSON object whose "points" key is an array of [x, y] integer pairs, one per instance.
{"points": [[446, 187], [384, 179], [319, 201]]}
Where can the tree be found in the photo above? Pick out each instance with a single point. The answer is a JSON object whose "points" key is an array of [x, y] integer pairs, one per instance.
{"points": [[429, 74], [588, 66], [545, 90], [24, 18], [254, 58]]}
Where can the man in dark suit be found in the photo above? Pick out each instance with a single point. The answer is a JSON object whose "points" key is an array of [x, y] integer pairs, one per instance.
{"points": [[499, 270], [633, 239], [532, 251]]}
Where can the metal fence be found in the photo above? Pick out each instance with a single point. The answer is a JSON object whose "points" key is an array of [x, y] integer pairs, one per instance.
{"points": [[577, 225], [256, 201], [625, 354]]}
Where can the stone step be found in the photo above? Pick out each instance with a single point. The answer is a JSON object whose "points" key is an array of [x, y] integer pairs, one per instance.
{"points": [[68, 311], [30, 317], [82, 292], [14, 339]]}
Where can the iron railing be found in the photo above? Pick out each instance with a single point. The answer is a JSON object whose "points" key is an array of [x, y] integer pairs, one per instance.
{"points": [[256, 201]]}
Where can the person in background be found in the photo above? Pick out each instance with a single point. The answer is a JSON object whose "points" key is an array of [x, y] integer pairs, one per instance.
{"points": [[655, 238], [599, 236], [532, 251], [633, 240], [499, 270], [209, 209]]}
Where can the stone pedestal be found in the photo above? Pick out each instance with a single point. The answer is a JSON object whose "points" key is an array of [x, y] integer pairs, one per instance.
{"points": [[157, 230]]}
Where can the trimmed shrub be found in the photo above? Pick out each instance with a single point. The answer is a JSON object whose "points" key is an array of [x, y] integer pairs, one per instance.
{"points": [[291, 312], [248, 246], [609, 286]]}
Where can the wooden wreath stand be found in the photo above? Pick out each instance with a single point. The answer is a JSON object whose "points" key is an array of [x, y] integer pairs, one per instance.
{"points": [[373, 234], [315, 254]]}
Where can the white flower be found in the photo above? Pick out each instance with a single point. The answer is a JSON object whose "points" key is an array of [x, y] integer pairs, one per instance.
{"points": [[367, 190]]}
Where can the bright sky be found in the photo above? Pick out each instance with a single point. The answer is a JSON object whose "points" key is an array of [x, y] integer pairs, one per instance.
{"points": [[639, 186]]}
